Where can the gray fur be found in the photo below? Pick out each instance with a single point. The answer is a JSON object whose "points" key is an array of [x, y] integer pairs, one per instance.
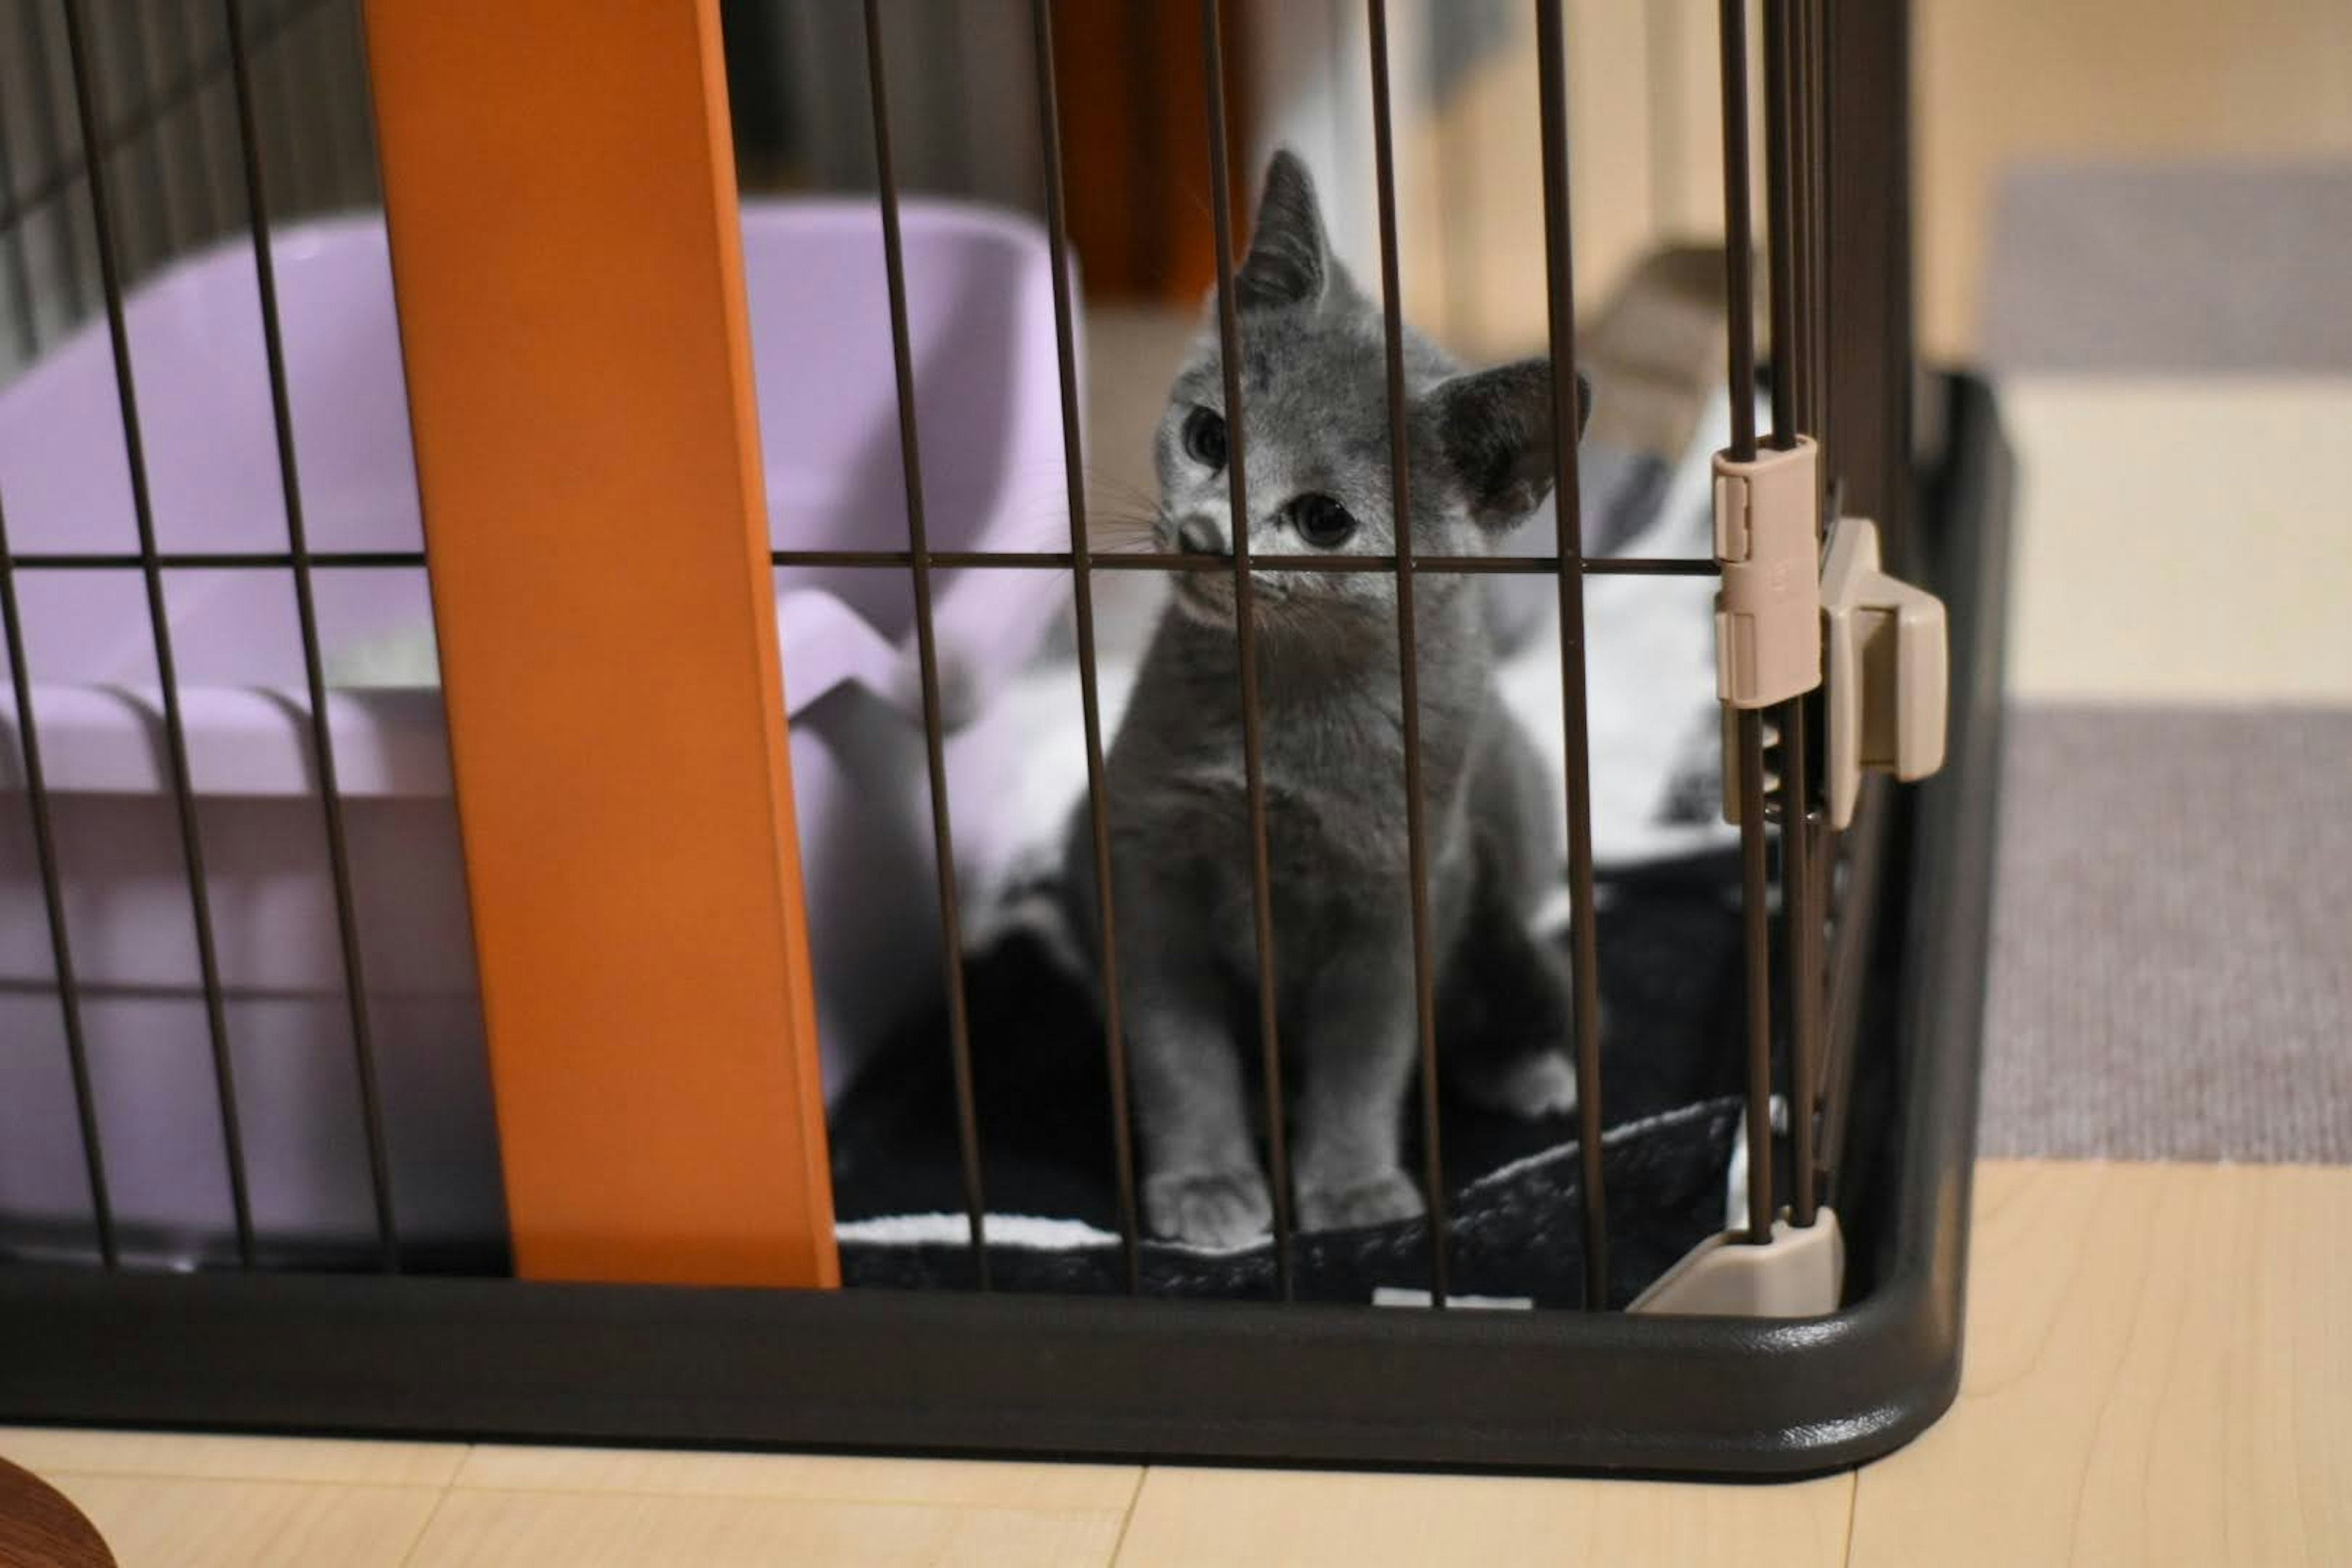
{"points": [[1313, 392]]}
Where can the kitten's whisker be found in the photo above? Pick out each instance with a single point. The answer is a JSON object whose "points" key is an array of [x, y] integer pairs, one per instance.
{"points": [[1121, 530], [1133, 530], [1111, 481], [1119, 492]]}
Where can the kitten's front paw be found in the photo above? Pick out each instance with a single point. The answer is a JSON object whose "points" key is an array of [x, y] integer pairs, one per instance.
{"points": [[1385, 1198], [1537, 1085], [1209, 1208]]}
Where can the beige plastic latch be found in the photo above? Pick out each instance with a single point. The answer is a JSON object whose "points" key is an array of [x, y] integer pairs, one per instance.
{"points": [[1768, 620], [1886, 679], [1799, 1273], [1731, 763]]}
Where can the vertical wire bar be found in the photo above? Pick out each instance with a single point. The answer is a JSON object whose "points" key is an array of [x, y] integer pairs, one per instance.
{"points": [[1780, 217], [1807, 86], [1416, 835], [1739, 237], [139, 65], [1245, 637], [1805, 369], [1788, 101], [208, 219], [1810, 86], [19, 266], [1817, 295], [48, 152], [1049, 130], [45, 852], [315, 76], [1755, 884], [926, 652], [339, 66], [365, 172], [322, 744], [1819, 86], [121, 54], [1803, 940], [302, 168], [1739, 262], [1821, 872], [1551, 81], [175, 733]]}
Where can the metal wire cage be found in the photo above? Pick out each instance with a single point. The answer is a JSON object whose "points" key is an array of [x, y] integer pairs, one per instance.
{"points": [[1866, 989]]}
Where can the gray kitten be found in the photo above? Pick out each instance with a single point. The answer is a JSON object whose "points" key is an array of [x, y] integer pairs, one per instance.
{"points": [[1317, 462]]}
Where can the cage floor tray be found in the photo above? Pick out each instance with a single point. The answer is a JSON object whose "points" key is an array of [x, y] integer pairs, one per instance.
{"points": [[1671, 975]]}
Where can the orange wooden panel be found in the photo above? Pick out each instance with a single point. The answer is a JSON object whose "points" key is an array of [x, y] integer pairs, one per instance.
{"points": [[564, 238], [1135, 127]]}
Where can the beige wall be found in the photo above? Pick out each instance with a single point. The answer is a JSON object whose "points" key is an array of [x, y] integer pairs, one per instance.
{"points": [[1996, 81], [1999, 80], [1645, 168]]}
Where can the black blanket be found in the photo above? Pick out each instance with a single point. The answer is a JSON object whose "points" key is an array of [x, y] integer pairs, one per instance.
{"points": [[1671, 993]]}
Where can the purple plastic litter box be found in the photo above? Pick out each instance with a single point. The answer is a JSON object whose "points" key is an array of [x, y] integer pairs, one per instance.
{"points": [[980, 303]]}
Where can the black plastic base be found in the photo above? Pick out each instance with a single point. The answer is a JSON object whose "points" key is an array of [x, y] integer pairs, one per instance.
{"points": [[938, 1373]]}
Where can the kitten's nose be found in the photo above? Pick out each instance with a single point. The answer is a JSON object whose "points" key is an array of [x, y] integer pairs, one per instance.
{"points": [[1199, 536]]}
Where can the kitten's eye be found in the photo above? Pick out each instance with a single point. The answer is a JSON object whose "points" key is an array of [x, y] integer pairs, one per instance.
{"points": [[1204, 437], [1321, 521]]}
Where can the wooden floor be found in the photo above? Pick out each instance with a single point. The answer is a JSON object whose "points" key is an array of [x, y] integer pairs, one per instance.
{"points": [[2157, 1372]]}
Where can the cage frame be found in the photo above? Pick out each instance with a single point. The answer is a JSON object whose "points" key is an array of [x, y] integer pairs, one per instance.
{"points": [[920, 1371], [986, 1373], [1106, 1377]]}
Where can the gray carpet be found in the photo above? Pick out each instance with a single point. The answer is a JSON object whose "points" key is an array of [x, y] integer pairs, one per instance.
{"points": [[2172, 934], [2161, 267], [2172, 937]]}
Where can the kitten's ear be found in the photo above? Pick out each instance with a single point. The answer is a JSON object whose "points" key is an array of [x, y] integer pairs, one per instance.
{"points": [[1289, 260], [1494, 428]]}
